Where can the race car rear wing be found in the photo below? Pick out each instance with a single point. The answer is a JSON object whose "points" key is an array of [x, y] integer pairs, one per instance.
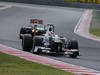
{"points": [[36, 21]]}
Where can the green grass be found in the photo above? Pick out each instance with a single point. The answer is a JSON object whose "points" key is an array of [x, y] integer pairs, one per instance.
{"points": [[95, 31], [12, 65]]}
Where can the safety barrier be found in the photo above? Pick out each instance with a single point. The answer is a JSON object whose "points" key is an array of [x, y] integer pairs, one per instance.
{"points": [[84, 1], [67, 3]]}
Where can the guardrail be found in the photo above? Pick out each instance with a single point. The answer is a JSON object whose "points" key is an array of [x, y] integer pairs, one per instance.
{"points": [[84, 1], [58, 3]]}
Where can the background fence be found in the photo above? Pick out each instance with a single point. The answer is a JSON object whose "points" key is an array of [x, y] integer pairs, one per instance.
{"points": [[84, 1], [68, 3]]}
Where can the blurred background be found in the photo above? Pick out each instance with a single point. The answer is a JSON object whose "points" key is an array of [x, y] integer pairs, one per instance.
{"points": [[94, 4]]}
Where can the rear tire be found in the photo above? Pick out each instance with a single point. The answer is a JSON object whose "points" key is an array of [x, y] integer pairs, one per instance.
{"points": [[22, 31], [27, 42]]}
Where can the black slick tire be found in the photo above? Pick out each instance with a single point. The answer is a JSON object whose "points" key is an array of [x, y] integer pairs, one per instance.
{"points": [[73, 44], [27, 42]]}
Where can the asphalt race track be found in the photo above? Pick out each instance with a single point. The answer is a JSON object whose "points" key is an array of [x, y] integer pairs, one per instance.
{"points": [[64, 19]]}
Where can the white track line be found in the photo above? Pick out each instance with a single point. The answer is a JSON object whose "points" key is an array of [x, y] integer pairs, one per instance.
{"points": [[82, 28]]}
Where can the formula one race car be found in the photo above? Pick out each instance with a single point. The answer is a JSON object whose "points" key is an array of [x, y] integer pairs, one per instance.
{"points": [[36, 28], [43, 39]]}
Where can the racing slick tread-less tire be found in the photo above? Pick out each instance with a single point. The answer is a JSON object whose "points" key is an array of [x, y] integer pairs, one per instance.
{"points": [[74, 45], [74, 55], [27, 42], [22, 31]]}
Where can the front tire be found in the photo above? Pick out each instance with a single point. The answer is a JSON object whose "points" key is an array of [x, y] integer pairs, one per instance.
{"points": [[22, 31], [73, 44], [73, 56], [27, 42]]}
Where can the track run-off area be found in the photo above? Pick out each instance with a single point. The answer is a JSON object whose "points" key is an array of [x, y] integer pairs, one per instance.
{"points": [[65, 19]]}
